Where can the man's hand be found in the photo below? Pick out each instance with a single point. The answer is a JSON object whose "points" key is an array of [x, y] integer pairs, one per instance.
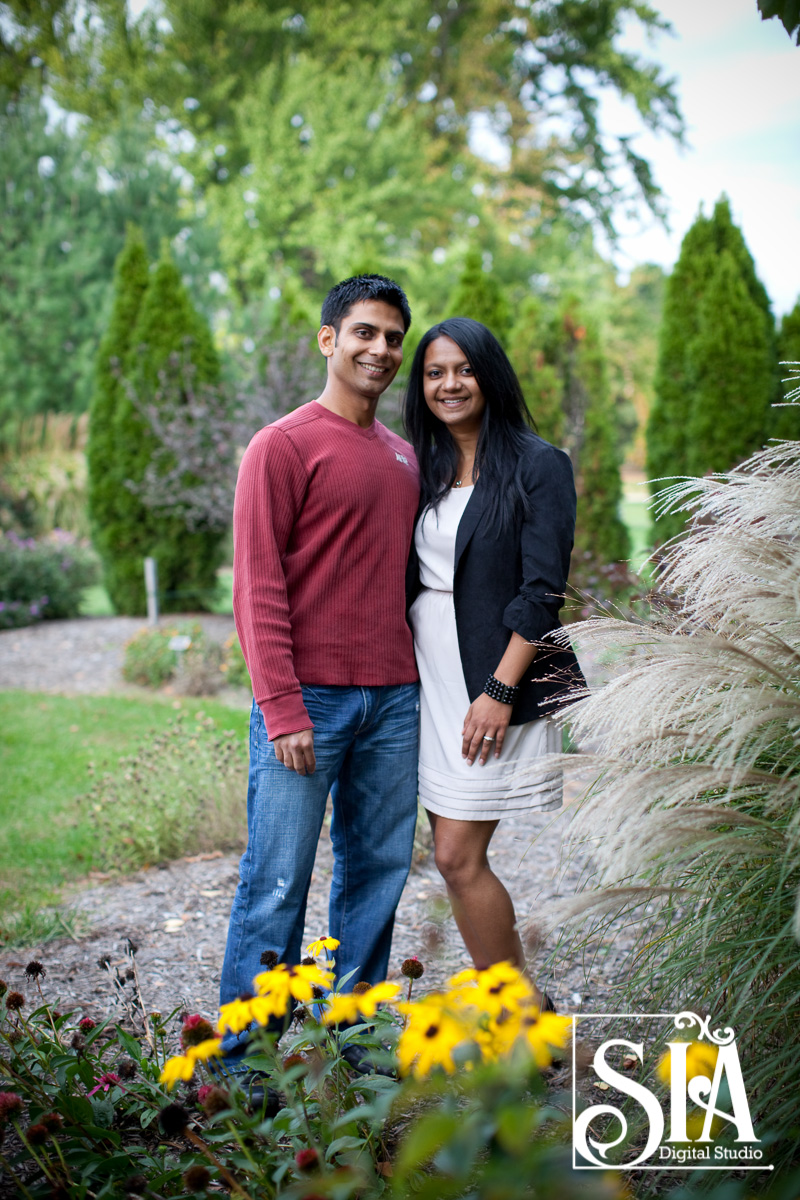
{"points": [[296, 751]]}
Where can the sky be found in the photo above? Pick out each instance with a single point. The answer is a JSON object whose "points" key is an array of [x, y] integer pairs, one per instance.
{"points": [[738, 80]]}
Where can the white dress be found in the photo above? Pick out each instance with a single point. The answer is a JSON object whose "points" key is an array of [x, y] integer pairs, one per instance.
{"points": [[448, 786]]}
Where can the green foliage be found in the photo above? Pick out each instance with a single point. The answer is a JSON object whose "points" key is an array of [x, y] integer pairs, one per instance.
{"points": [[188, 780], [201, 669], [478, 295], [732, 357], [107, 497], [703, 349], [41, 580], [85, 1105], [786, 421], [692, 814], [156, 334], [787, 10], [563, 370], [65, 199], [47, 744]]}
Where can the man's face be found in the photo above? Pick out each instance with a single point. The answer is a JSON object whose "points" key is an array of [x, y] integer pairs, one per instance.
{"points": [[367, 353]]}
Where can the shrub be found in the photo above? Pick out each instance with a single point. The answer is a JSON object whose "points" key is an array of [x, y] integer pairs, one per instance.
{"points": [[42, 579], [168, 338], [696, 793], [233, 665], [202, 669], [94, 1102], [181, 792]]}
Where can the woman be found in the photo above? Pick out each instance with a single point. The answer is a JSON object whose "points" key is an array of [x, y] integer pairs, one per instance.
{"points": [[488, 569]]}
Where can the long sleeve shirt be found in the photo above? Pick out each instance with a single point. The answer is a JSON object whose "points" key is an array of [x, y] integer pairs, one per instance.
{"points": [[322, 525]]}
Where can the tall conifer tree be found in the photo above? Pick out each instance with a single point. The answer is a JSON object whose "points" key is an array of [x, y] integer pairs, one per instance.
{"points": [[108, 499], [479, 295], [786, 421], [562, 368], [687, 429], [169, 344]]}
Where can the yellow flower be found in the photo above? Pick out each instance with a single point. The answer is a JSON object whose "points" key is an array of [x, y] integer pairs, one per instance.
{"points": [[276, 987], [182, 1065], [701, 1059], [433, 1032], [235, 1016], [323, 943], [500, 987], [545, 1032], [179, 1067], [344, 1008]]}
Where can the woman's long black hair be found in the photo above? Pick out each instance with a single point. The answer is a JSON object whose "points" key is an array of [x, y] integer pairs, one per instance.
{"points": [[505, 428]]}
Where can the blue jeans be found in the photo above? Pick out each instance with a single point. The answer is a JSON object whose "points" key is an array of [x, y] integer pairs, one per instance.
{"points": [[365, 743]]}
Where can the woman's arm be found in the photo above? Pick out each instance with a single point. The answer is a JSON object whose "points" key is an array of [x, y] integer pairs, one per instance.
{"points": [[489, 718], [545, 545]]}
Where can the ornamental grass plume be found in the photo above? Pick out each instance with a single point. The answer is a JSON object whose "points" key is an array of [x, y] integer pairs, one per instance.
{"points": [[694, 804]]}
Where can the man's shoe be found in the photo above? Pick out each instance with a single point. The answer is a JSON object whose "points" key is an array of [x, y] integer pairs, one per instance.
{"points": [[361, 1060], [259, 1094]]}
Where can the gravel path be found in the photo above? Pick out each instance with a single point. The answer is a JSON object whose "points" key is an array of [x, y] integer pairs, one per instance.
{"points": [[177, 915]]}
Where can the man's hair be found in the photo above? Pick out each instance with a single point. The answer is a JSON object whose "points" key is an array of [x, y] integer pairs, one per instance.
{"points": [[341, 298]]}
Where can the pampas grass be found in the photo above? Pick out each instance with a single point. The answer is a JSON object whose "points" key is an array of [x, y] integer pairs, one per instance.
{"points": [[693, 813]]}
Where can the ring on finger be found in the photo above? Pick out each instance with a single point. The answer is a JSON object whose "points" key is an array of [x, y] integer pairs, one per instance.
{"points": [[487, 739]]}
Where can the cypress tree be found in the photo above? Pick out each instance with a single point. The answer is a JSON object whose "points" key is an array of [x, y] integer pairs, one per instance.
{"points": [[677, 428], [562, 368], [733, 363], [107, 499], [170, 340], [541, 383], [479, 295], [786, 421]]}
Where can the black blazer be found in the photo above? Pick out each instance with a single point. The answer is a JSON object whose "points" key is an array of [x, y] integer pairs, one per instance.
{"points": [[514, 581]]}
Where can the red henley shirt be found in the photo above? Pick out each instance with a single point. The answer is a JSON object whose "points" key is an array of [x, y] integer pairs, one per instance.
{"points": [[322, 525]]}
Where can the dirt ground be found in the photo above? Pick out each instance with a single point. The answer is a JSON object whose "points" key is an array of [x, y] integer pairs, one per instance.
{"points": [[177, 914]]}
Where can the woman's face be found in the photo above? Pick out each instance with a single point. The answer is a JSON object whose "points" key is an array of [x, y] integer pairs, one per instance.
{"points": [[450, 388]]}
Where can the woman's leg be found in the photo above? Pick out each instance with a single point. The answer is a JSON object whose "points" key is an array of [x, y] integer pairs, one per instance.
{"points": [[481, 905]]}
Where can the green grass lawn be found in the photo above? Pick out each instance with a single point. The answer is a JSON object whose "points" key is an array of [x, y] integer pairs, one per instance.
{"points": [[46, 745]]}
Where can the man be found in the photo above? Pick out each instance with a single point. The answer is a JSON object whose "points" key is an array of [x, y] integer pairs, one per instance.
{"points": [[323, 519]]}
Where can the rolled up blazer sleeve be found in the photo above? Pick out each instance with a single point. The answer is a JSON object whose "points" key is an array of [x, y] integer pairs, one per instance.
{"points": [[547, 535]]}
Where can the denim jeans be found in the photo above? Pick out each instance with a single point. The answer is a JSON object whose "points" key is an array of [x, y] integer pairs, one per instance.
{"points": [[365, 743]]}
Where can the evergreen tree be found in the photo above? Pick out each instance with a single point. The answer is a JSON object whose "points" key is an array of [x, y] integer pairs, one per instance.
{"points": [[540, 379], [562, 367], [688, 346], [786, 421], [169, 339], [733, 363], [108, 499], [478, 295]]}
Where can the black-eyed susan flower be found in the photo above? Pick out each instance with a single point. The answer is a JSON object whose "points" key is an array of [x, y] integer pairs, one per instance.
{"points": [[323, 943], [498, 988], [433, 1032], [346, 1007], [284, 983], [701, 1059], [182, 1066]]}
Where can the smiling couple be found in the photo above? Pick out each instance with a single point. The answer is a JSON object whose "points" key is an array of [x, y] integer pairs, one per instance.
{"points": [[339, 526]]}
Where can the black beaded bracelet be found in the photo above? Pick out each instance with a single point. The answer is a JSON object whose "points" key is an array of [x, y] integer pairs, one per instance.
{"points": [[500, 691]]}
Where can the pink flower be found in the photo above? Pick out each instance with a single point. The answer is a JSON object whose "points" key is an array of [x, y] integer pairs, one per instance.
{"points": [[110, 1079], [86, 1024]]}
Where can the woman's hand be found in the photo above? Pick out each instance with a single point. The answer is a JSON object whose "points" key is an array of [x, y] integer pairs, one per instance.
{"points": [[486, 718]]}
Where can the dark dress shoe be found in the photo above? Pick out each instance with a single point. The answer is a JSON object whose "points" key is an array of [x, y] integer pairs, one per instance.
{"points": [[361, 1060]]}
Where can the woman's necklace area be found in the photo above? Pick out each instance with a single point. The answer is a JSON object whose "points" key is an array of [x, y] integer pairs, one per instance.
{"points": [[464, 475]]}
